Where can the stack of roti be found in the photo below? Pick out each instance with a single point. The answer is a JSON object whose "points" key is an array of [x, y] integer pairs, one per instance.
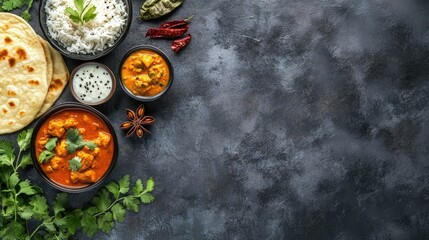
{"points": [[33, 74]]}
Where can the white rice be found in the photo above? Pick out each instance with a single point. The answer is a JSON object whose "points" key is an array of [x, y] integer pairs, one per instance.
{"points": [[91, 37]]}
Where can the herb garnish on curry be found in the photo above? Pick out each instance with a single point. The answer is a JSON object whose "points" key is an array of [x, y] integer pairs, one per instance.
{"points": [[74, 147]]}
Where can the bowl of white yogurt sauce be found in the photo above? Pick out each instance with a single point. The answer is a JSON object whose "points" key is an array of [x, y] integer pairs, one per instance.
{"points": [[92, 83]]}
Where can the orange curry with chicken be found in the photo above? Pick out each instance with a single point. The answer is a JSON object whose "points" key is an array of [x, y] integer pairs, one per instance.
{"points": [[145, 73], [74, 148]]}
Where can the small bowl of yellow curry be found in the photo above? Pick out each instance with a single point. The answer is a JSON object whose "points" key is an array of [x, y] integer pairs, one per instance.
{"points": [[74, 147], [146, 73]]}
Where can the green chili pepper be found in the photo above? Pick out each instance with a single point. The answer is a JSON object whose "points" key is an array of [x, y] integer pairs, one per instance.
{"points": [[152, 9]]}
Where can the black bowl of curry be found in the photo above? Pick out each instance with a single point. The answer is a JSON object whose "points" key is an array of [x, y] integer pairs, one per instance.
{"points": [[74, 147], [146, 73]]}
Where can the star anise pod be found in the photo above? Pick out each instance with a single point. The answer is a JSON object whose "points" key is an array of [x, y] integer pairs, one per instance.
{"points": [[136, 122]]}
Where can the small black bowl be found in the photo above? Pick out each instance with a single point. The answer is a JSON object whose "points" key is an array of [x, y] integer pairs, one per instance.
{"points": [[84, 57], [170, 67], [64, 107]]}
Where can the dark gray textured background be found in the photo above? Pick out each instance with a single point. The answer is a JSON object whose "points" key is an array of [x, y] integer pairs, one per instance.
{"points": [[286, 120]]}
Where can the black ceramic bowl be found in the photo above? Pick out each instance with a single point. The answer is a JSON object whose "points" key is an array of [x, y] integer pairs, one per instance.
{"points": [[84, 57], [170, 67], [58, 109]]}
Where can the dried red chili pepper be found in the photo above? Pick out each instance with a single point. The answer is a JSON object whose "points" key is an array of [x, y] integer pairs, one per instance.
{"points": [[166, 32], [177, 23], [178, 44]]}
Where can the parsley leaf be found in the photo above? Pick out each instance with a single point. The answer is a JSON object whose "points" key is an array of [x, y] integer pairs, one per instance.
{"points": [[102, 200], [81, 14], [75, 141], [146, 198], [138, 187], [131, 203], [124, 184], [113, 188], [51, 144], [118, 212], [7, 153], [89, 222], [24, 139], [61, 201], [26, 188], [25, 161], [150, 184], [45, 156], [39, 207], [105, 222], [75, 163]]}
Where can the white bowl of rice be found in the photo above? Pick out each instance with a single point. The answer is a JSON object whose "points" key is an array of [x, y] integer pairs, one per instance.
{"points": [[92, 39]]}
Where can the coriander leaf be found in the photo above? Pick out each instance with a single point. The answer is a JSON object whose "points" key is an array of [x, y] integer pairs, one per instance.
{"points": [[12, 231], [51, 144], [60, 221], [27, 189], [138, 187], [73, 14], [13, 180], [146, 198], [73, 221], [89, 224], [150, 184], [118, 212], [124, 184], [25, 212], [26, 14], [79, 5], [131, 203], [60, 203], [89, 15], [113, 188], [39, 207], [10, 5], [25, 161], [75, 163], [102, 200], [24, 139], [45, 156], [49, 225], [75, 141], [105, 222], [82, 13], [7, 155]]}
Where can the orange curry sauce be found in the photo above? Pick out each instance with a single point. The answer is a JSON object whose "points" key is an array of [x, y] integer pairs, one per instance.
{"points": [[145, 73], [92, 128]]}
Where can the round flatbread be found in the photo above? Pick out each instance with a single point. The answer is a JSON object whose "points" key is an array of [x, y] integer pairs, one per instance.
{"points": [[23, 84], [49, 67], [60, 77]]}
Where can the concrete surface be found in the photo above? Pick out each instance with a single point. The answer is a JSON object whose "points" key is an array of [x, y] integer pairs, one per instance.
{"points": [[286, 120]]}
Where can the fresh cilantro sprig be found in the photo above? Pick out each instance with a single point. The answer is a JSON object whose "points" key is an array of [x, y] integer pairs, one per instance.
{"points": [[9, 5], [81, 14], [21, 202], [75, 141]]}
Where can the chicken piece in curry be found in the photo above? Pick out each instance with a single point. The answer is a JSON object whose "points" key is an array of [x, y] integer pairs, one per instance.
{"points": [[74, 148]]}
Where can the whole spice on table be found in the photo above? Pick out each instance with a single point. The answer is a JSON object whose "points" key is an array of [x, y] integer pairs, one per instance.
{"points": [[170, 29], [136, 122], [166, 32], [179, 44], [152, 9], [176, 23]]}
